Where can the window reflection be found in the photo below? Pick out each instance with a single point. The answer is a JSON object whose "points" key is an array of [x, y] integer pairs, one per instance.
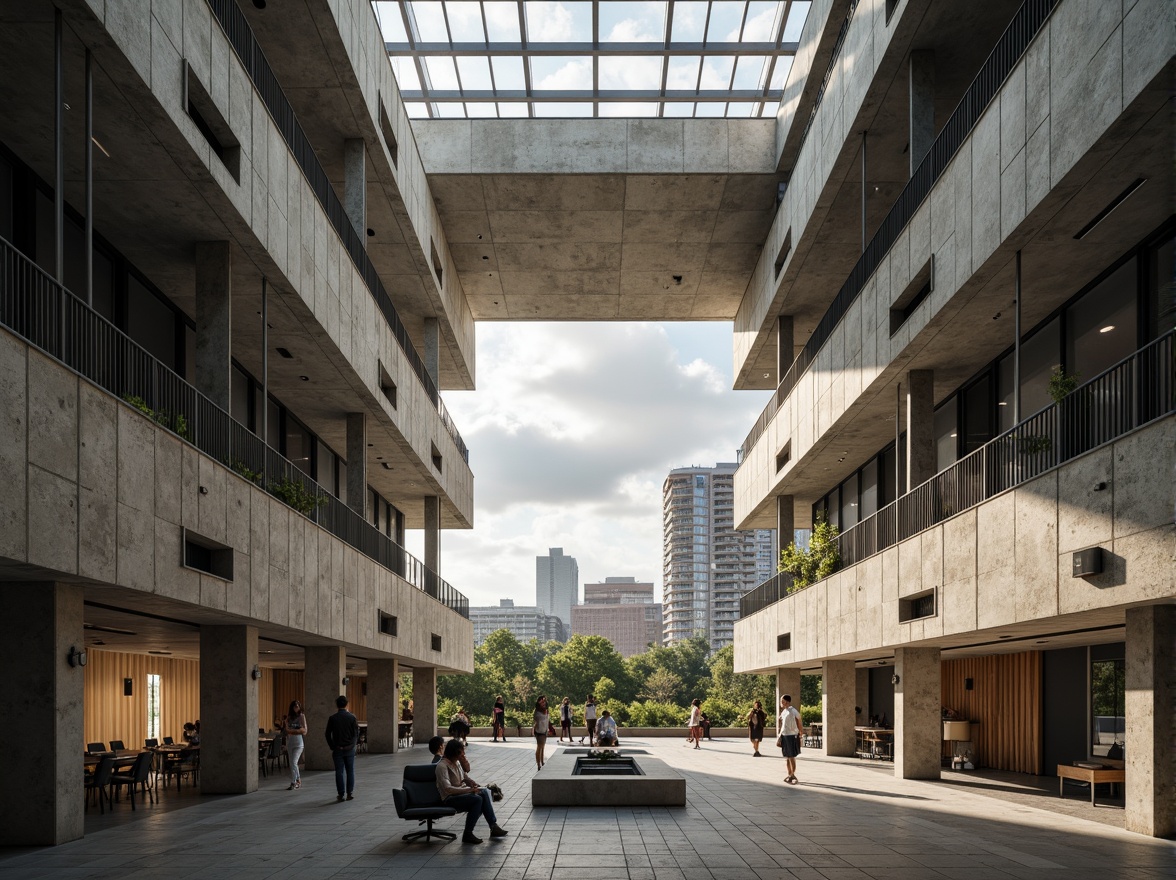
{"points": [[1107, 684]]}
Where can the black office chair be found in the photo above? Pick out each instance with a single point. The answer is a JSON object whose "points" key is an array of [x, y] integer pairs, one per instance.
{"points": [[420, 800], [116, 745], [150, 743], [168, 741], [95, 748], [137, 776]]}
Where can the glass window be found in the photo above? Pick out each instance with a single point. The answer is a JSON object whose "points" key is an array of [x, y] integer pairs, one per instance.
{"points": [[298, 445], [103, 285], [849, 503], [325, 469], [977, 415], [189, 353], [945, 425], [239, 397], [150, 322], [342, 493], [1101, 328], [273, 424], [373, 503], [1004, 394], [889, 477], [154, 706], [45, 244], [1040, 353], [1107, 685], [5, 200], [1162, 289], [870, 489]]}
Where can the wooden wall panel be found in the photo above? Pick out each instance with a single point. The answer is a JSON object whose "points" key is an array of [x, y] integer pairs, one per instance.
{"points": [[1006, 701], [289, 685], [108, 715]]}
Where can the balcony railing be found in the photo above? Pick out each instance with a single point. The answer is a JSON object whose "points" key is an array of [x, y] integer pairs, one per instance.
{"points": [[996, 69], [244, 43], [42, 312], [1138, 390]]}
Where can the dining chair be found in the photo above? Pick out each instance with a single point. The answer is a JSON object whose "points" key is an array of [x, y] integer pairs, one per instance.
{"points": [[180, 764], [99, 782], [137, 776], [95, 748], [168, 741], [150, 743], [116, 745]]}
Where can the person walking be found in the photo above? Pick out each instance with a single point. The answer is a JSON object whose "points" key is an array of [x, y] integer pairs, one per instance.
{"points": [[541, 726], [696, 722], [293, 728], [791, 729], [498, 718], [590, 720], [565, 719], [459, 791], [343, 737], [756, 719]]}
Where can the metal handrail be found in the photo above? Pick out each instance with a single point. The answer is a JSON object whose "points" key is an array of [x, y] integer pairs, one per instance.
{"points": [[240, 36], [1138, 390], [43, 313], [995, 70]]}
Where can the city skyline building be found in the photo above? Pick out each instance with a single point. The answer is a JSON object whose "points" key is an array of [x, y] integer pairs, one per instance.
{"points": [[524, 622], [557, 585], [622, 610], [707, 565]]}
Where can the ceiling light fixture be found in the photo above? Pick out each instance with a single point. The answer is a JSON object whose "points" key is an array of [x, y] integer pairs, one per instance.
{"points": [[304, 378], [1106, 329], [100, 147]]}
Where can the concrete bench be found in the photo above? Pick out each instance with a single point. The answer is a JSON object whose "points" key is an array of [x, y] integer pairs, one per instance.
{"points": [[1091, 775]]}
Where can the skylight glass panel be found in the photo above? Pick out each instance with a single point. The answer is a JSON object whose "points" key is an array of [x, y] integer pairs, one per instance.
{"points": [[404, 69], [512, 109], [502, 21], [726, 16], [632, 109], [560, 73], [749, 73], [632, 22], [795, 22], [559, 109], [761, 22], [710, 108], [430, 22], [508, 73], [741, 109], [559, 22], [689, 25], [683, 72], [631, 72], [465, 22], [478, 109], [391, 23], [416, 110], [451, 110], [716, 72], [475, 72], [678, 109], [780, 74], [442, 73]]}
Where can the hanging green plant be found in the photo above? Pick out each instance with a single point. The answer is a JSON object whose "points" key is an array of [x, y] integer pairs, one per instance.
{"points": [[293, 494], [1062, 384], [820, 559]]}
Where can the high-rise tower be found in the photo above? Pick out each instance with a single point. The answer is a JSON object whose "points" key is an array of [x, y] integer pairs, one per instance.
{"points": [[557, 585]]}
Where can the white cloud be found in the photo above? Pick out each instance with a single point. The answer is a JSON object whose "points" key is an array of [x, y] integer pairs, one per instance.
{"points": [[571, 436]]}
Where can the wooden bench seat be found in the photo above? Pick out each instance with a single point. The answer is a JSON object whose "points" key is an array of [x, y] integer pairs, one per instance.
{"points": [[1090, 775]]}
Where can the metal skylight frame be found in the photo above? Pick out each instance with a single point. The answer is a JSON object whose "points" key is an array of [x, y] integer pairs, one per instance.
{"points": [[399, 19]]}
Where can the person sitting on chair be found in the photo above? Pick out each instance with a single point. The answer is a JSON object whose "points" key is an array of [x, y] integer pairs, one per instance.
{"points": [[459, 791], [606, 730]]}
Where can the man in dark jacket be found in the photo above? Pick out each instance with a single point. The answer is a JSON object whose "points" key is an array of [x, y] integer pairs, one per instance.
{"points": [[343, 737]]}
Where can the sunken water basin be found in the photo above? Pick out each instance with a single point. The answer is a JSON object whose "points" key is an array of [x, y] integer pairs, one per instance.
{"points": [[579, 778]]}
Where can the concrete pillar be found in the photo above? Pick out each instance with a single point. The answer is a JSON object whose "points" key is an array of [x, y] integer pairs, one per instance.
{"points": [[838, 699], [325, 668], [920, 427], [784, 346], [922, 103], [433, 350], [357, 463], [228, 709], [355, 183], [1150, 671], [787, 682], [432, 558], [785, 521], [862, 701], [424, 703], [383, 705], [213, 313], [41, 787], [918, 718]]}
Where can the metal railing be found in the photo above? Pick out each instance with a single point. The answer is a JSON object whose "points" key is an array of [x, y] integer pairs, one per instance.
{"points": [[1139, 389], [43, 313], [768, 593], [995, 70], [244, 43]]}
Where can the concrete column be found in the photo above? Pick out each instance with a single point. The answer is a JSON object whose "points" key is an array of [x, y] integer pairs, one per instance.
{"points": [[1151, 720], [228, 710], [213, 331], [862, 700], [432, 558], [787, 682], [920, 427], [383, 705], [784, 346], [838, 696], [433, 350], [355, 183], [424, 703], [325, 668], [785, 520], [922, 103], [357, 463], [42, 695], [918, 719]]}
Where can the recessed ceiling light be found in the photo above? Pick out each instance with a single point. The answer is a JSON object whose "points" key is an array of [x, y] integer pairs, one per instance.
{"points": [[371, 233], [304, 378], [284, 352], [1003, 403], [1106, 329]]}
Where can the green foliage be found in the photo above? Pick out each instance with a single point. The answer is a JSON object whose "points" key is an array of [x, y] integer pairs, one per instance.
{"points": [[810, 714], [810, 690], [521, 695], [1062, 384], [687, 660], [661, 687], [820, 559], [739, 689], [1032, 444], [604, 689], [244, 470], [293, 494], [655, 714], [177, 422], [574, 670], [506, 655], [619, 710], [724, 713]]}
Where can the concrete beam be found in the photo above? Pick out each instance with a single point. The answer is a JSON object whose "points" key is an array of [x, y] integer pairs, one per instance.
{"points": [[214, 267]]}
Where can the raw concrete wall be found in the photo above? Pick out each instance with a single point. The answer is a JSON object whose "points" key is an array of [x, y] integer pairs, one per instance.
{"points": [[1005, 561], [99, 491], [1024, 159], [272, 214]]}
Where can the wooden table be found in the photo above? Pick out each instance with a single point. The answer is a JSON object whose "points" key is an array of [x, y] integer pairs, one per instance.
{"points": [[875, 743], [122, 758], [1091, 775]]}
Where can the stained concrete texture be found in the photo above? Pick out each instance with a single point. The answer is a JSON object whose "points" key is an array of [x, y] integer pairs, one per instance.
{"points": [[845, 819]]}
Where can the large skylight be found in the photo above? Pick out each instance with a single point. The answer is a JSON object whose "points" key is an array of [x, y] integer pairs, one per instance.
{"points": [[560, 58]]}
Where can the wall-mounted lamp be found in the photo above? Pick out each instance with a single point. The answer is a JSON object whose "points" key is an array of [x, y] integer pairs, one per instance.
{"points": [[346, 680], [203, 490], [76, 657], [255, 673], [894, 679]]}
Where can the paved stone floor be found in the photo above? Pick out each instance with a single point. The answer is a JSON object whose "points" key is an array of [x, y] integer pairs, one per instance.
{"points": [[845, 820]]}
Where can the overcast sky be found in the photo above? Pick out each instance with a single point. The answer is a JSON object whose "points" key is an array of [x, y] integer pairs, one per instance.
{"points": [[572, 431]]}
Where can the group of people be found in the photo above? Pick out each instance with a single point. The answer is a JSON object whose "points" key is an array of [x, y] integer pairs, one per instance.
{"points": [[790, 728], [600, 731]]}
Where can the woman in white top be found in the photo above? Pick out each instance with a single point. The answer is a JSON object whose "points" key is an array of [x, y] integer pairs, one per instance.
{"points": [[541, 726], [696, 722], [293, 730]]}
